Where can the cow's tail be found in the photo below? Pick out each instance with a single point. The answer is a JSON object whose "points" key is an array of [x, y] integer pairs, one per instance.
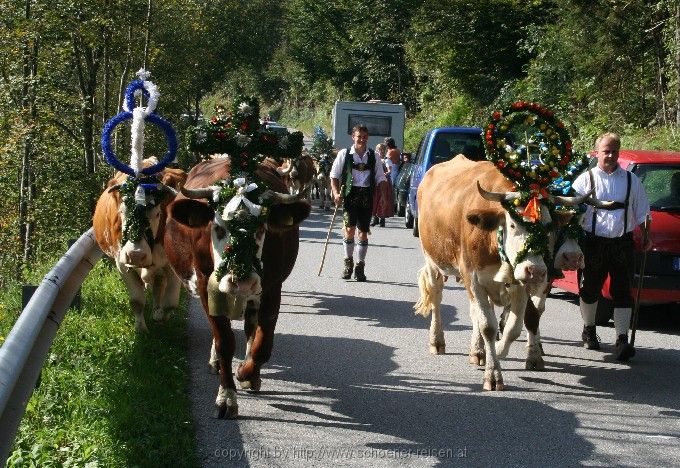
{"points": [[427, 282]]}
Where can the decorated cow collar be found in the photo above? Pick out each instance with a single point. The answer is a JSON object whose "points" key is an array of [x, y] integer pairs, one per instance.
{"points": [[238, 203], [142, 185]]}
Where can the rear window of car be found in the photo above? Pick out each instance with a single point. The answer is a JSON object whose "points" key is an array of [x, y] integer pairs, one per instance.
{"points": [[448, 145], [662, 184]]}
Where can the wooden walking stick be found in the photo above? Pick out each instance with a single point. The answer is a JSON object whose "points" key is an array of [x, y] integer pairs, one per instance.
{"points": [[641, 274], [328, 236]]}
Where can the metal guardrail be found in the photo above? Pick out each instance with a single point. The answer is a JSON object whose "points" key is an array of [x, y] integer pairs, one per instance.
{"points": [[24, 351]]}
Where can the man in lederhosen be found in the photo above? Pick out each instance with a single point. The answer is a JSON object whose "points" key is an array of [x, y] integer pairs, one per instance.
{"points": [[608, 246], [359, 173]]}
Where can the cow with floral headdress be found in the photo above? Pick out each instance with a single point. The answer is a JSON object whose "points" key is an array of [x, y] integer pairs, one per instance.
{"points": [[232, 238], [129, 219], [493, 225]]}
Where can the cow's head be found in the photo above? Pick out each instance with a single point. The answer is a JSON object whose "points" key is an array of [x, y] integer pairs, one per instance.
{"points": [[526, 237], [298, 173], [141, 213], [240, 218]]}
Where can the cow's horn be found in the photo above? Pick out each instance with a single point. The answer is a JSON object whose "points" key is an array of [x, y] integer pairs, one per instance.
{"points": [[167, 189], [281, 198], [496, 196], [592, 201], [570, 201], [197, 193]]}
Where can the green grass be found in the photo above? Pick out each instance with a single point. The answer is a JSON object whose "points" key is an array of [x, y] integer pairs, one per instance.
{"points": [[108, 396]]}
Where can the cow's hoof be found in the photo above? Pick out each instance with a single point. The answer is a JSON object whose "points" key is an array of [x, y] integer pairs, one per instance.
{"points": [[214, 367], [478, 359], [251, 385], [437, 349], [491, 385], [534, 364], [226, 412]]}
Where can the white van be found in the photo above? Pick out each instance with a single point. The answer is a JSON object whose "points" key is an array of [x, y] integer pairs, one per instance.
{"points": [[383, 119]]}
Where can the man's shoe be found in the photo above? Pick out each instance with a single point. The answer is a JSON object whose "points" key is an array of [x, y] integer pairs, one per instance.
{"points": [[349, 266], [589, 337], [374, 221], [382, 222], [624, 350], [359, 272]]}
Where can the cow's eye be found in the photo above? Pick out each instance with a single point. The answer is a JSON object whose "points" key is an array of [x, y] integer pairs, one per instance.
{"points": [[512, 225]]}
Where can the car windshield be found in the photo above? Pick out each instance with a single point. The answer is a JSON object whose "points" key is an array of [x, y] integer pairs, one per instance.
{"points": [[448, 145], [662, 183]]}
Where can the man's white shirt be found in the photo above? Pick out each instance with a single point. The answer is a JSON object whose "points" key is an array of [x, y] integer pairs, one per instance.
{"points": [[612, 187]]}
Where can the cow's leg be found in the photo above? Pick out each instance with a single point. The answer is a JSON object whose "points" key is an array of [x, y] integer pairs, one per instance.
{"points": [[488, 327], [515, 318], [170, 298], [535, 307], [135, 288], [477, 355], [158, 290], [250, 325], [262, 336], [226, 403], [214, 361], [431, 285]]}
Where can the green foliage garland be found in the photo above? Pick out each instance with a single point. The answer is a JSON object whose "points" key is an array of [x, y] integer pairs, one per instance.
{"points": [[545, 163], [136, 221]]}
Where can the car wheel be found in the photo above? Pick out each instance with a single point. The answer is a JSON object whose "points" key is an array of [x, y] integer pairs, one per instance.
{"points": [[415, 228], [605, 311], [408, 220]]}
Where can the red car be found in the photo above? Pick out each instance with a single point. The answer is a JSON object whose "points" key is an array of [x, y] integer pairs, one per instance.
{"points": [[659, 172]]}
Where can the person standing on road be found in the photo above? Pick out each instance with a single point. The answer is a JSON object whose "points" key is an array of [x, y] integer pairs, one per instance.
{"points": [[379, 205], [394, 155], [608, 246], [359, 173]]}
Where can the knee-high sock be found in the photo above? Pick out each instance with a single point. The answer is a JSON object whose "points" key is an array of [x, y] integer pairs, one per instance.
{"points": [[588, 312], [622, 320], [349, 247], [361, 249]]}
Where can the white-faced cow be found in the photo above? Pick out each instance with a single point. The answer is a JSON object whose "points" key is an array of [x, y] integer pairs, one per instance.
{"points": [[132, 235], [459, 237], [197, 238]]}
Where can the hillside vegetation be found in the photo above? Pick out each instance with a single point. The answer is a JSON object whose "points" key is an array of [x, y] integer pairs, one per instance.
{"points": [[599, 64]]}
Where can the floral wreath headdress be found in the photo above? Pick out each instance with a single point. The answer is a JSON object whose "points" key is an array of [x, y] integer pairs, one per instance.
{"points": [[544, 164], [142, 184], [239, 133]]}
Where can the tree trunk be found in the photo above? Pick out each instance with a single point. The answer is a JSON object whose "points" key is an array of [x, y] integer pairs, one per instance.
{"points": [[26, 185], [147, 37], [121, 84]]}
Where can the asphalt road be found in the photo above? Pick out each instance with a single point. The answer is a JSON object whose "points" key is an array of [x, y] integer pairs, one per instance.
{"points": [[351, 382]]}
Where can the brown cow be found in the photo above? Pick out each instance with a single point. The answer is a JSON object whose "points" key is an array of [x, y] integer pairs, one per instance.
{"points": [[141, 262], [458, 234], [298, 174], [195, 237]]}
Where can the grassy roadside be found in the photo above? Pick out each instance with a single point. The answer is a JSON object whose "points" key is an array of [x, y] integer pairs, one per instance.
{"points": [[107, 396]]}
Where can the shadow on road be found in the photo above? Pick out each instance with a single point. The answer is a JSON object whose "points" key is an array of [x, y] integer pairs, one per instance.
{"points": [[423, 413]]}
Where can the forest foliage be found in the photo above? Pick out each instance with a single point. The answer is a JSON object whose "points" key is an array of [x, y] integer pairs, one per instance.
{"points": [[600, 64]]}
